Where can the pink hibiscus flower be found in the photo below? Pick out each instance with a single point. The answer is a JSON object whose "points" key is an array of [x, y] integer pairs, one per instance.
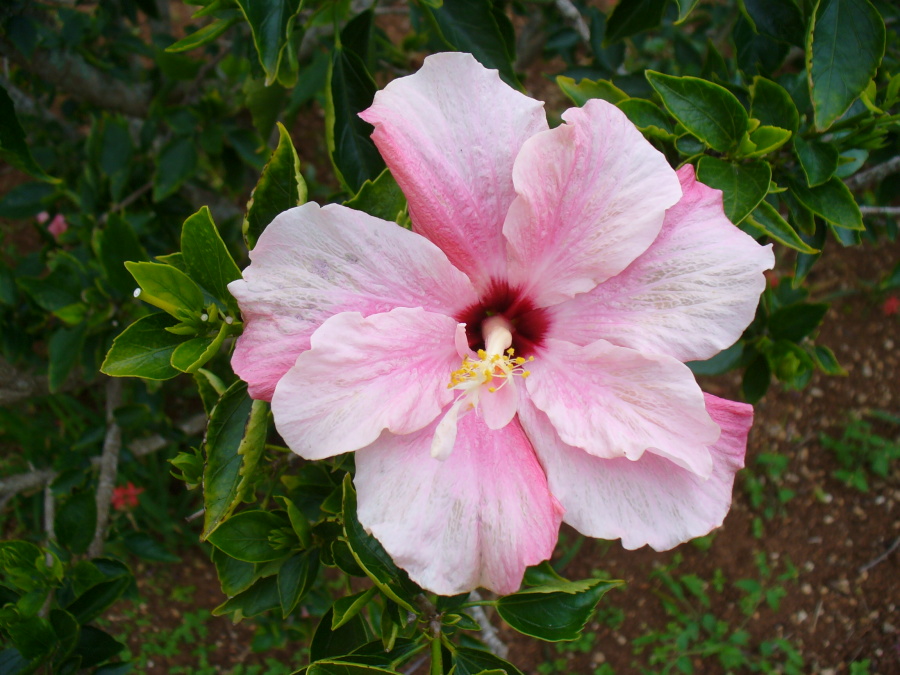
{"points": [[518, 359]]}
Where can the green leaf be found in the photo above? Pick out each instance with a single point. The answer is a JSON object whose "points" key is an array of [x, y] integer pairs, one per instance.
{"points": [[647, 117], [367, 552], [98, 598], [235, 576], [64, 352], [235, 440], [207, 259], [766, 220], [26, 200], [280, 187], [295, 579], [75, 522], [189, 356], [67, 630], [844, 47], [203, 36], [826, 361], [778, 19], [818, 160], [554, 612], [342, 668], [13, 146], [271, 23], [586, 89], [210, 387], [146, 547], [350, 91], [767, 139], [685, 7], [116, 244], [743, 185], [177, 162], [772, 105], [710, 112], [166, 287], [720, 363], [327, 643], [96, 646], [144, 349], [33, 637], [467, 661], [473, 26], [260, 597], [832, 201], [349, 606], [245, 536], [756, 379], [381, 198], [630, 17], [795, 322]]}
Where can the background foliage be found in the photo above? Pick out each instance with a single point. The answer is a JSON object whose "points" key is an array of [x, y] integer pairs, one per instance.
{"points": [[161, 133]]}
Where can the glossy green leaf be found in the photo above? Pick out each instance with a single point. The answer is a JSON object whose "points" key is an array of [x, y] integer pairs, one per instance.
{"points": [[817, 159], [795, 322], [805, 261], [64, 352], [98, 598], [833, 201], [778, 19], [743, 185], [177, 162], [235, 440], [341, 668], [710, 112], [350, 91], [772, 105], [144, 349], [13, 146], [685, 7], [207, 259], [189, 356], [467, 661], [473, 26], [235, 576], [295, 579], [260, 597], [826, 361], [766, 220], [844, 236], [271, 22], [585, 90], [280, 187], [327, 643], [349, 606], [630, 17], [245, 536], [554, 612], [844, 48], [647, 117], [766, 139], [166, 287], [369, 554], [33, 636], [381, 198], [116, 244], [201, 37]]}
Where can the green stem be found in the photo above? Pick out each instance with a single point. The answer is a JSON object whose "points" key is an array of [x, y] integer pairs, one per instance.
{"points": [[478, 603], [437, 659]]}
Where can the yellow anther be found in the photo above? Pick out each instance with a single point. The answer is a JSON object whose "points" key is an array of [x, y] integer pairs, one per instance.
{"points": [[520, 361], [526, 373], [492, 389], [510, 351], [482, 354]]}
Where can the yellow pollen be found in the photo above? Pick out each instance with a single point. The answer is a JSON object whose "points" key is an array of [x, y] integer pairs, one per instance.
{"points": [[473, 374]]}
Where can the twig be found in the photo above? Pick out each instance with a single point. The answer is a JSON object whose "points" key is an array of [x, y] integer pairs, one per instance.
{"points": [[573, 17], [488, 632], [880, 210], [881, 558], [876, 173], [10, 487], [16, 385], [816, 615], [127, 201], [109, 465]]}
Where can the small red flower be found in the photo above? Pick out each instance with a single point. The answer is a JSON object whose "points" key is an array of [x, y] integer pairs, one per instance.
{"points": [[891, 306], [125, 496]]}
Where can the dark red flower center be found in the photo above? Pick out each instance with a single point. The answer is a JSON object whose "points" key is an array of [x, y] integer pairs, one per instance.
{"points": [[529, 323]]}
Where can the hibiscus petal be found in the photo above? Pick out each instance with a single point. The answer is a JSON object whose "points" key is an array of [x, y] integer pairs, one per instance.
{"points": [[449, 135], [616, 402], [647, 501], [364, 375], [690, 295], [592, 196], [312, 263], [478, 518]]}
